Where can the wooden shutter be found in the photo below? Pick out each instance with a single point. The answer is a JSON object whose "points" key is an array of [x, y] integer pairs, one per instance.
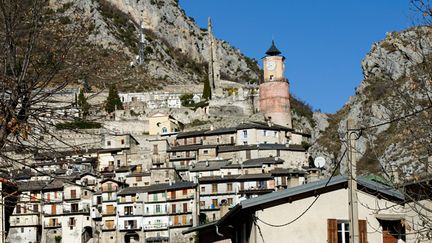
{"points": [[362, 231], [332, 231]]}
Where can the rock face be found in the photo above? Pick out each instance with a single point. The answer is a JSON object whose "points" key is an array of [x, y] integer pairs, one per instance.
{"points": [[397, 83], [175, 48]]}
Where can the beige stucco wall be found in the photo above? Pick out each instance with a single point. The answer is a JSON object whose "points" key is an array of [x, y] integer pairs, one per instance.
{"points": [[163, 121], [415, 214], [312, 226]]}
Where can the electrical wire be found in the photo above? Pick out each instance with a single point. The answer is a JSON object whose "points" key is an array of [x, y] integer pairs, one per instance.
{"points": [[310, 205], [394, 120]]}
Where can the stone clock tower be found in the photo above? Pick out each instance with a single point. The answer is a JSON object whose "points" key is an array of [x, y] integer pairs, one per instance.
{"points": [[274, 90]]}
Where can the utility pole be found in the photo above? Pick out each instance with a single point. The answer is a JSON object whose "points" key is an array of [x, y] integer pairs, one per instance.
{"points": [[352, 184]]}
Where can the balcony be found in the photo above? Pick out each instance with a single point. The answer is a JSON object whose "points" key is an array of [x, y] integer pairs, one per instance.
{"points": [[181, 197], [108, 228], [181, 167], [130, 227], [158, 159], [181, 157], [156, 213], [52, 224], [72, 198], [155, 226], [179, 211], [79, 211]]}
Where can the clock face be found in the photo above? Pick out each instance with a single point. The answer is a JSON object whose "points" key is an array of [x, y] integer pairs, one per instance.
{"points": [[271, 65]]}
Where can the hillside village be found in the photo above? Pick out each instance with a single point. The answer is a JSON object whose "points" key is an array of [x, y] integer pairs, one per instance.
{"points": [[151, 180], [229, 159]]}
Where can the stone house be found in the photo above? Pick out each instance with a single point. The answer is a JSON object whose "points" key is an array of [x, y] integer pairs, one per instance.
{"points": [[163, 124]]}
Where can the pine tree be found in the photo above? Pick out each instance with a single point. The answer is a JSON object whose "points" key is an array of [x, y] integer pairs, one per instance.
{"points": [[206, 91], [83, 104], [113, 101]]}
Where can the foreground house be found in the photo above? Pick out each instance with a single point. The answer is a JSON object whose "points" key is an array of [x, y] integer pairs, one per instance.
{"points": [[267, 218]]}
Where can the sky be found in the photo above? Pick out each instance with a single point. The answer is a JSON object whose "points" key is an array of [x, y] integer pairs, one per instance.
{"points": [[324, 42]]}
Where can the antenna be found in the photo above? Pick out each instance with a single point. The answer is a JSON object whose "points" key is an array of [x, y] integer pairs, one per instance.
{"points": [[319, 162]]}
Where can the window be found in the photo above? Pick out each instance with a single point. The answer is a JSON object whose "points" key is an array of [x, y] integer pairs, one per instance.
{"points": [[230, 201], [118, 163], [343, 232], [205, 151], [271, 77], [35, 208], [73, 194], [202, 204], [110, 187], [128, 210], [110, 209], [158, 208], [108, 143], [109, 224], [185, 207], [22, 230], [122, 141], [245, 133], [173, 208], [155, 149], [164, 130], [139, 178], [229, 187], [184, 192], [18, 209], [74, 207], [214, 188], [203, 189], [214, 203], [85, 193], [264, 133], [338, 231], [99, 200], [71, 221], [17, 220]]}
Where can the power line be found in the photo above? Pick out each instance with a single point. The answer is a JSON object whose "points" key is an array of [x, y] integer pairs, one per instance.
{"points": [[310, 206], [395, 120]]}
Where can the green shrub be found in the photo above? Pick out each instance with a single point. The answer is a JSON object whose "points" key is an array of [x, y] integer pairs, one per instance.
{"points": [[78, 124]]}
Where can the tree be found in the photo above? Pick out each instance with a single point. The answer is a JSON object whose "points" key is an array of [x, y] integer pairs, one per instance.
{"points": [[34, 48], [113, 101], [187, 99], [423, 10], [83, 104], [207, 90]]}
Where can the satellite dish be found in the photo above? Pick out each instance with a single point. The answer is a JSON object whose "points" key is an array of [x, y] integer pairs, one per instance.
{"points": [[319, 162]]}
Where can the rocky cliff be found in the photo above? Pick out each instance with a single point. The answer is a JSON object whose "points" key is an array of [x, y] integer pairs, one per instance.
{"points": [[391, 105], [175, 48]]}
